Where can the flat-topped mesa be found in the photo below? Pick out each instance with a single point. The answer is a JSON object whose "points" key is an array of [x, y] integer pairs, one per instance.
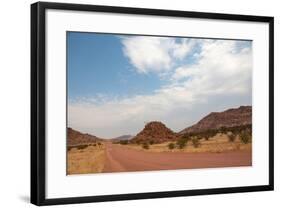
{"points": [[154, 132], [122, 138], [229, 118]]}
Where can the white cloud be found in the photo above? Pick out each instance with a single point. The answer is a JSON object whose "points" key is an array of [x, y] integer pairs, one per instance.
{"points": [[219, 79], [155, 54], [126, 116], [184, 47], [220, 68]]}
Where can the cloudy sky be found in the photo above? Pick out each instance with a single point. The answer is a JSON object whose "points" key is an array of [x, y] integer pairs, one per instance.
{"points": [[117, 83]]}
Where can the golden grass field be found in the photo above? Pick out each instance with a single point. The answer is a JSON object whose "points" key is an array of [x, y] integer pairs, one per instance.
{"points": [[88, 160], [217, 144]]}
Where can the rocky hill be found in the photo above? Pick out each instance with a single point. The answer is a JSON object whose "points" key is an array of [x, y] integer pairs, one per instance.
{"points": [[77, 138], [154, 132], [229, 118]]}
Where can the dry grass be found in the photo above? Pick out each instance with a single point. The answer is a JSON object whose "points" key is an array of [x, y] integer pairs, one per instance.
{"points": [[90, 159], [217, 144]]}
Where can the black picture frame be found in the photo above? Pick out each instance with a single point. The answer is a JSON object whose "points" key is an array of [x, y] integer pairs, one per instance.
{"points": [[38, 106]]}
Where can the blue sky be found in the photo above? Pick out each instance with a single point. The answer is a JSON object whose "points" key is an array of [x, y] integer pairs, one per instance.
{"points": [[97, 66], [117, 83]]}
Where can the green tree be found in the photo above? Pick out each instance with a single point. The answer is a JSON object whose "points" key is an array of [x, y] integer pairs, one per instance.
{"points": [[182, 142], [171, 146], [124, 142], [145, 146], [195, 142], [245, 137]]}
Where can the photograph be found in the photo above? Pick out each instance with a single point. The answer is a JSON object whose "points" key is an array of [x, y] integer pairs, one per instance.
{"points": [[138, 102], [141, 94]]}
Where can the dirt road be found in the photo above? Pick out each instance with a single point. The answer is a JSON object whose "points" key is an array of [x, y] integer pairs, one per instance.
{"points": [[121, 158]]}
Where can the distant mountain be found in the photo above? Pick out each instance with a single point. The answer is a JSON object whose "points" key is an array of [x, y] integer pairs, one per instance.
{"points": [[123, 137], [77, 138], [229, 118], [154, 132]]}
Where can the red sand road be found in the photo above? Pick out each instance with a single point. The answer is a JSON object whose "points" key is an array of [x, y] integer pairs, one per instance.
{"points": [[121, 158]]}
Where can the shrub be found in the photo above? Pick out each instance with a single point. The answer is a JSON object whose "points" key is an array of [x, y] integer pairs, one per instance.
{"points": [[231, 137], [99, 143], [207, 134], [182, 142], [212, 134], [171, 146], [151, 142], [245, 137], [124, 142], [69, 148], [223, 130], [195, 142], [82, 146], [199, 137], [145, 146]]}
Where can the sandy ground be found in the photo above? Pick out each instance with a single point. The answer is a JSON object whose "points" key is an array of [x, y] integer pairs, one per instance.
{"points": [[121, 158]]}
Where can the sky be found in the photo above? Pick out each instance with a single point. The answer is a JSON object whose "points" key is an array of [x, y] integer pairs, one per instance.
{"points": [[118, 83]]}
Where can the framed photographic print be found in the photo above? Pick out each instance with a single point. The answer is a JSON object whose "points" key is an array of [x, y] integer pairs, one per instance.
{"points": [[134, 103]]}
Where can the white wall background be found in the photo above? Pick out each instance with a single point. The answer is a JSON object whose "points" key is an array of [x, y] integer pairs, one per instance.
{"points": [[15, 96]]}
